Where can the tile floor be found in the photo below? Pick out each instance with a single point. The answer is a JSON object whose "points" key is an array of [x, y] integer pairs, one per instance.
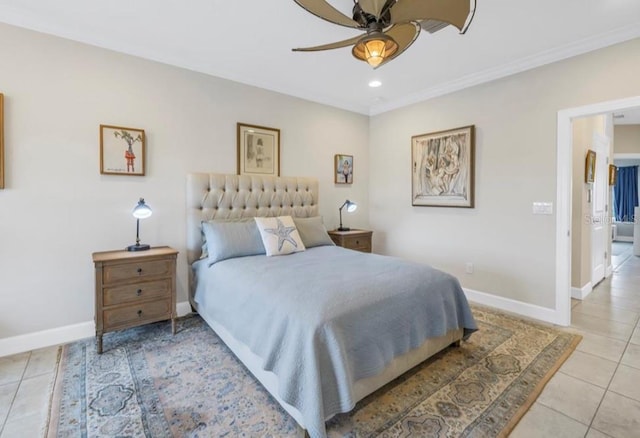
{"points": [[595, 394]]}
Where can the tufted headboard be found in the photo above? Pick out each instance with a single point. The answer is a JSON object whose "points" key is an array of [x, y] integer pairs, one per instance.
{"points": [[214, 195]]}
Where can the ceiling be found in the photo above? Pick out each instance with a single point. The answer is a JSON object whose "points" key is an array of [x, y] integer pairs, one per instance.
{"points": [[250, 41]]}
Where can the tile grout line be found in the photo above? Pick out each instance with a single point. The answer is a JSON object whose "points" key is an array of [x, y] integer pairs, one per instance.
{"points": [[15, 394]]}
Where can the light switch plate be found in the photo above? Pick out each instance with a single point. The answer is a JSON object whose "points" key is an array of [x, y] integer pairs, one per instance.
{"points": [[543, 208]]}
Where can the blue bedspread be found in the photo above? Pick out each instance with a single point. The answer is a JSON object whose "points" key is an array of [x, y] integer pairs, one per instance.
{"points": [[326, 317]]}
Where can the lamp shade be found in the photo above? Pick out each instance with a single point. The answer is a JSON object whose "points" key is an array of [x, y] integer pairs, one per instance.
{"points": [[141, 210], [375, 48]]}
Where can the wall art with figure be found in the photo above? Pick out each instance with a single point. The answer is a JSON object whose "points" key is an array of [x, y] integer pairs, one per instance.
{"points": [[343, 169], [122, 151], [258, 150], [443, 168]]}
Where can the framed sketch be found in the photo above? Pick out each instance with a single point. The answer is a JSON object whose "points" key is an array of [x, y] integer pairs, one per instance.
{"points": [[1, 141], [122, 151], [590, 167], [343, 169], [258, 150], [443, 168], [613, 174]]}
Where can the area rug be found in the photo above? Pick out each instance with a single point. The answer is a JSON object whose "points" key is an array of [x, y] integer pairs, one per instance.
{"points": [[148, 383]]}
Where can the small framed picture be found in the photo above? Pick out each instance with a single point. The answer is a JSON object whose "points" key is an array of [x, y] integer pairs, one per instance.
{"points": [[590, 167], [122, 151], [613, 174], [343, 169], [258, 150]]}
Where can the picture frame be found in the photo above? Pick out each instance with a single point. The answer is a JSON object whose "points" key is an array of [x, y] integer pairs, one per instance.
{"points": [[343, 169], [443, 168], [590, 167], [1, 141], [613, 174], [258, 150], [122, 151]]}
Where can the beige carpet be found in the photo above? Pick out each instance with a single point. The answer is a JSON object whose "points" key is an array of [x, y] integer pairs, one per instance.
{"points": [[149, 383]]}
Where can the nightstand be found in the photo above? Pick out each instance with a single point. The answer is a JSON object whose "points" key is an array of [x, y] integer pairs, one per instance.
{"points": [[360, 240], [134, 288]]}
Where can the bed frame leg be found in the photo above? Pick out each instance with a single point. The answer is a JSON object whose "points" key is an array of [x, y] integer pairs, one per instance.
{"points": [[302, 433], [456, 344]]}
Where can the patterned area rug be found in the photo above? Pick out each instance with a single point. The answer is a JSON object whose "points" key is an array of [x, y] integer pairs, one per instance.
{"points": [[150, 383]]}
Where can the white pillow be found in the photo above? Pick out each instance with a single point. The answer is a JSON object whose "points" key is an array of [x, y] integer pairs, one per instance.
{"points": [[279, 235]]}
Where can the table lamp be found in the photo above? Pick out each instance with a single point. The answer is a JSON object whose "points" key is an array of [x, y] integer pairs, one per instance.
{"points": [[351, 207], [140, 211]]}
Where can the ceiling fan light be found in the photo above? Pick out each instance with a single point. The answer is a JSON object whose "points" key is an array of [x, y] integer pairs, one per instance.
{"points": [[375, 48]]}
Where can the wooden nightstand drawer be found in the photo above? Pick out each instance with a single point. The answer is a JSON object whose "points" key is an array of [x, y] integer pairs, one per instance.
{"points": [[136, 292], [359, 243], [137, 270], [137, 314], [359, 240]]}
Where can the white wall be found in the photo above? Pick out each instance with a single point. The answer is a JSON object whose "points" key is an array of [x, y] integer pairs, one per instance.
{"points": [[513, 251], [57, 209]]}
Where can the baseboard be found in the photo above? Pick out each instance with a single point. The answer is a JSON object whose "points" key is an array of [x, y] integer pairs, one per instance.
{"points": [[580, 293], [513, 306], [60, 335], [620, 238]]}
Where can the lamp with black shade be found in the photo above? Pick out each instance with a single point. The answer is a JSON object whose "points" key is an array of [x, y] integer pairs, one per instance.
{"points": [[351, 207], [140, 211]]}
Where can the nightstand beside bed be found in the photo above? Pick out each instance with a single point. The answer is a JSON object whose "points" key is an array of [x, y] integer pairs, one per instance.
{"points": [[134, 288], [359, 240]]}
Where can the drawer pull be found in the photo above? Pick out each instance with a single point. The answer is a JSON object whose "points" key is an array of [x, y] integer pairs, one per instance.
{"points": [[139, 313], [357, 242], [139, 292], [139, 270]]}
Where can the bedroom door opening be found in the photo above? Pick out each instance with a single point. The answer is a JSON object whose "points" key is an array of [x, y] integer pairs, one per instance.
{"points": [[564, 153]]}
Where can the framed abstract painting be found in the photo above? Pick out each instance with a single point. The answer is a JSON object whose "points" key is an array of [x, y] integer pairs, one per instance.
{"points": [[443, 168]]}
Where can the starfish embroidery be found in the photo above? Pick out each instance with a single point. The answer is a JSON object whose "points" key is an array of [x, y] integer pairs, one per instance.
{"points": [[283, 234]]}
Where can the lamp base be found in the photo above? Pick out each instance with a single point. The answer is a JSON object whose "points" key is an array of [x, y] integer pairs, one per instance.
{"points": [[344, 229], [139, 247]]}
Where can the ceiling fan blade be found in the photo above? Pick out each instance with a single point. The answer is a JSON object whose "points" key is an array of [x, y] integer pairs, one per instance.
{"points": [[458, 13], [336, 45], [404, 34], [373, 7], [327, 12]]}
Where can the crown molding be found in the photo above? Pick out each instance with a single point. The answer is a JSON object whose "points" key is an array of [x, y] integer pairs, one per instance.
{"points": [[543, 58]]}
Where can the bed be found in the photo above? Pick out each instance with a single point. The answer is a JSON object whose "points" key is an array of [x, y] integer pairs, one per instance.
{"points": [[320, 328]]}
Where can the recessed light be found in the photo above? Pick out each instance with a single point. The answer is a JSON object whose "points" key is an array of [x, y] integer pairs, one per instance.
{"points": [[375, 84]]}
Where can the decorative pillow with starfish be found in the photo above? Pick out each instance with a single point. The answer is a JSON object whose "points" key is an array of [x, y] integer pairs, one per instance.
{"points": [[279, 235]]}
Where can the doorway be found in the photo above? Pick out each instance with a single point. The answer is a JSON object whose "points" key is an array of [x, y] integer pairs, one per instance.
{"points": [[564, 152]]}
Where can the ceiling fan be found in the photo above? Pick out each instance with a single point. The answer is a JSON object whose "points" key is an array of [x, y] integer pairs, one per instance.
{"points": [[391, 25]]}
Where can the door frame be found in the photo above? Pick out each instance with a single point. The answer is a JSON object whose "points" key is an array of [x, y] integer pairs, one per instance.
{"points": [[564, 151]]}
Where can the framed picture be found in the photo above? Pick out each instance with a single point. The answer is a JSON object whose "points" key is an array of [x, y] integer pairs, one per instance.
{"points": [[590, 167], [1, 141], [122, 151], [343, 169], [443, 168], [258, 150], [613, 174]]}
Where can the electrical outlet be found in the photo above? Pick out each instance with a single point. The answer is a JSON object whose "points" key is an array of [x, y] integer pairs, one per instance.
{"points": [[469, 268]]}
